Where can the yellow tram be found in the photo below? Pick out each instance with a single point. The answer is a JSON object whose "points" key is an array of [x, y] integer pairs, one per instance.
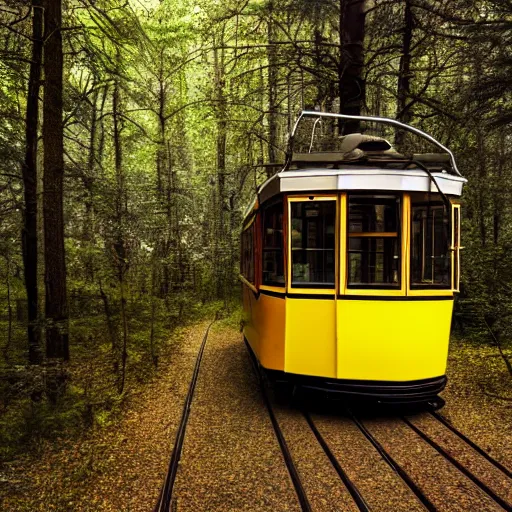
{"points": [[349, 265]]}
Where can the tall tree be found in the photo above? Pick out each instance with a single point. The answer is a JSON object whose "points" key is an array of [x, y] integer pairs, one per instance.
{"points": [[351, 83], [56, 307], [29, 173], [272, 87], [404, 109]]}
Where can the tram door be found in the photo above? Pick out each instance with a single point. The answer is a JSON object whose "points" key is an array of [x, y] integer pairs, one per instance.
{"points": [[312, 274]]}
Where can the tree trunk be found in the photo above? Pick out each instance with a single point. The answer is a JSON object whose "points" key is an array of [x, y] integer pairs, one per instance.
{"points": [[7, 346], [221, 114], [88, 181], [403, 112], [154, 356], [29, 172], [121, 209], [272, 90], [56, 308], [350, 79], [110, 323]]}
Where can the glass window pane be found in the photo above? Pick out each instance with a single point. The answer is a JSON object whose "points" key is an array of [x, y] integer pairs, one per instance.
{"points": [[373, 214], [373, 261], [313, 238], [430, 252], [273, 267], [373, 241], [313, 267]]}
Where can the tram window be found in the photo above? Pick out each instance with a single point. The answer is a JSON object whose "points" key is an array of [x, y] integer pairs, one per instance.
{"points": [[313, 238], [273, 267], [248, 254], [373, 241], [430, 251]]}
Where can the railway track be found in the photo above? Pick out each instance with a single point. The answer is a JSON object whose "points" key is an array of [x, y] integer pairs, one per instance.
{"points": [[455, 462], [165, 497], [290, 464], [420, 493]]}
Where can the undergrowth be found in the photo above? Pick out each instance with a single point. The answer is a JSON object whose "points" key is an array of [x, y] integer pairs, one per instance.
{"points": [[91, 397]]}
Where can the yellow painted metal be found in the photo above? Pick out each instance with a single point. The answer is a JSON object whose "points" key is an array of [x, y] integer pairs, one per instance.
{"points": [[406, 244], [431, 293], [311, 291], [248, 319], [277, 289], [342, 244], [393, 340], [263, 319], [269, 318], [310, 347], [310, 337]]}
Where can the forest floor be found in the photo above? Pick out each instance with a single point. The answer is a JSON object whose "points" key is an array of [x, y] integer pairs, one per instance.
{"points": [[231, 459]]}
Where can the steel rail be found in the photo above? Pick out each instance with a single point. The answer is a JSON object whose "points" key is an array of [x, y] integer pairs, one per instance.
{"points": [[484, 487], [383, 120], [473, 445], [288, 459], [165, 498], [394, 465], [352, 489]]}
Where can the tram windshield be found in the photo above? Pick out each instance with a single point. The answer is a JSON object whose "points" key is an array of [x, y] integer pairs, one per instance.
{"points": [[374, 241]]}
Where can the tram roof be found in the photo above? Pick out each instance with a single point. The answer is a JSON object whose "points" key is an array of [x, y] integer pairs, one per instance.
{"points": [[316, 179], [361, 162]]}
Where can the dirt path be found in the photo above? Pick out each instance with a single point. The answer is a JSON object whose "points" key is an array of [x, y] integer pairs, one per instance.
{"points": [[119, 468], [231, 460]]}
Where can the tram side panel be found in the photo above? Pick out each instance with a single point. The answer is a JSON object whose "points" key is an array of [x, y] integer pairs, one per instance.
{"points": [[264, 327], [269, 317], [310, 337], [393, 340], [249, 326]]}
